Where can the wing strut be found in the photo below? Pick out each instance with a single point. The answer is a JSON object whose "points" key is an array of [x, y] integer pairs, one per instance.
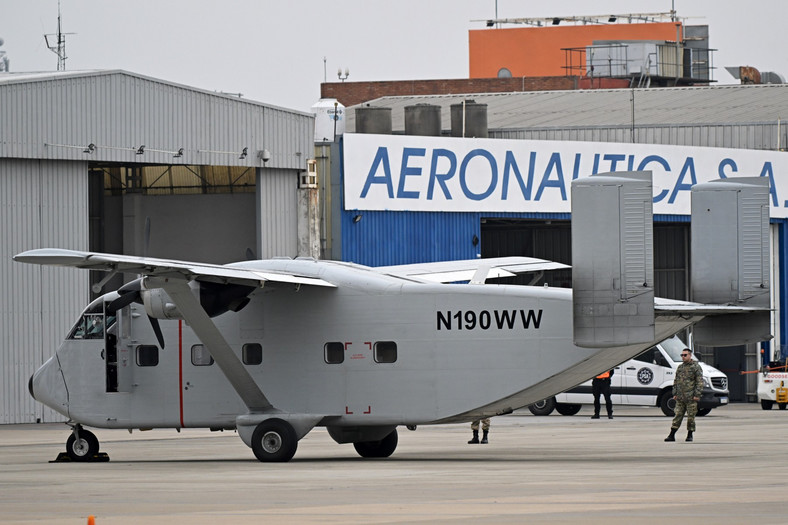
{"points": [[189, 306]]}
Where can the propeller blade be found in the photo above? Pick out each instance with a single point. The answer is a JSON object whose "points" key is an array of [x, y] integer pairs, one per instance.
{"points": [[157, 330], [129, 293], [123, 301]]}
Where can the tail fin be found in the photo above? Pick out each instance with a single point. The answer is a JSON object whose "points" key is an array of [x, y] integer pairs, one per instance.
{"points": [[613, 259], [730, 258]]}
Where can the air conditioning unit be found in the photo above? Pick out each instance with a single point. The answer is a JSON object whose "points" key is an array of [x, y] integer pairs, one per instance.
{"points": [[308, 178]]}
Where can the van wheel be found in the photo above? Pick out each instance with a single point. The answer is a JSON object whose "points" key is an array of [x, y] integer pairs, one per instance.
{"points": [[543, 408], [567, 409], [703, 411], [782, 406], [767, 404], [667, 404]]}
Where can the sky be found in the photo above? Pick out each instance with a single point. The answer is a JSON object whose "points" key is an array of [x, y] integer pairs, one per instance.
{"points": [[279, 51]]}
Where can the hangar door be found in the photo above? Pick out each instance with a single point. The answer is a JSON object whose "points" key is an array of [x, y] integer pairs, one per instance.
{"points": [[552, 240]]}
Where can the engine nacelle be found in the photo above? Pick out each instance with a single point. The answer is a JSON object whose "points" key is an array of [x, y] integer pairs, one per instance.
{"points": [[159, 305]]}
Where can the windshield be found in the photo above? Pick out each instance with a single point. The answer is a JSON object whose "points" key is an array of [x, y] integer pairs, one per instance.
{"points": [[673, 347], [92, 323]]}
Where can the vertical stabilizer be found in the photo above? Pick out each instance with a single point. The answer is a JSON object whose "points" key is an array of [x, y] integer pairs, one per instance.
{"points": [[613, 259], [730, 257]]}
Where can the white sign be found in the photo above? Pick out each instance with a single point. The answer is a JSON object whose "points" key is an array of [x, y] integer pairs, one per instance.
{"points": [[415, 173]]}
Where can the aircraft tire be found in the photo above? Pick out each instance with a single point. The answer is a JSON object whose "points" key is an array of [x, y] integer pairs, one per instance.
{"points": [[274, 441], [543, 408], [378, 449], [568, 409], [667, 403], [84, 449], [767, 404], [703, 411]]}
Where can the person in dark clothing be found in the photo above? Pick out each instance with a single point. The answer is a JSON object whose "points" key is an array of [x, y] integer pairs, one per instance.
{"points": [[601, 387]]}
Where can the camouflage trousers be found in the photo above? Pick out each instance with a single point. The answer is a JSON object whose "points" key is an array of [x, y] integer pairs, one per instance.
{"points": [[485, 424], [691, 408]]}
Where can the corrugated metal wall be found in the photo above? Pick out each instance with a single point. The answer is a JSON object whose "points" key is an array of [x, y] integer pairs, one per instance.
{"points": [[42, 204], [59, 116], [277, 208], [744, 136]]}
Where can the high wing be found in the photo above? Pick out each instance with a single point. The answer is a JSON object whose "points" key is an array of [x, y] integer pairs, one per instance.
{"points": [[474, 270], [173, 277], [162, 267]]}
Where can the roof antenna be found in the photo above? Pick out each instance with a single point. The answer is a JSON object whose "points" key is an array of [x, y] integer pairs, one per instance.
{"points": [[60, 47]]}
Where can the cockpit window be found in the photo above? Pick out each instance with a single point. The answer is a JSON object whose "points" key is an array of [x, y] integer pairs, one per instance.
{"points": [[93, 322], [91, 326]]}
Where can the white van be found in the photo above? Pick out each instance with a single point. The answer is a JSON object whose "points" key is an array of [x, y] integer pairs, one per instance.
{"points": [[773, 386], [644, 380]]}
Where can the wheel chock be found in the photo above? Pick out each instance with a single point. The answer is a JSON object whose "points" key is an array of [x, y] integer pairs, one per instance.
{"points": [[63, 457]]}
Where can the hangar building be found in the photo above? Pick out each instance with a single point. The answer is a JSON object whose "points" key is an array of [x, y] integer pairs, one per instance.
{"points": [[118, 162], [745, 120]]}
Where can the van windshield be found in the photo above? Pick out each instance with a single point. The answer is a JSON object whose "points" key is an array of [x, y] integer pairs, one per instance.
{"points": [[673, 347]]}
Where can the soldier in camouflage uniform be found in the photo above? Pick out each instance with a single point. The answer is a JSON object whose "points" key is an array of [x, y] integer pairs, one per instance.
{"points": [[687, 388], [475, 428]]}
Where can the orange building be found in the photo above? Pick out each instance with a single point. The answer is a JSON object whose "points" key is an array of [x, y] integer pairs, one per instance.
{"points": [[539, 51]]}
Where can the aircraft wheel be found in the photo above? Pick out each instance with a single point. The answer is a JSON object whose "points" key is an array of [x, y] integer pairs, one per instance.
{"points": [[274, 440], [667, 404], [767, 404], [567, 409], [703, 411], [84, 448], [377, 449], [543, 407]]}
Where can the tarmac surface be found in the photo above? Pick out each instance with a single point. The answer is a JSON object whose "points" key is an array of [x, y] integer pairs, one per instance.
{"points": [[554, 469]]}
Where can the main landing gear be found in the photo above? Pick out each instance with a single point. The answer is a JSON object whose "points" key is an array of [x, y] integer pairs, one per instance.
{"points": [[274, 440], [378, 449]]}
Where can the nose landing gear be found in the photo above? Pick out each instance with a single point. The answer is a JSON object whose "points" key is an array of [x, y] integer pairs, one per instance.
{"points": [[82, 445]]}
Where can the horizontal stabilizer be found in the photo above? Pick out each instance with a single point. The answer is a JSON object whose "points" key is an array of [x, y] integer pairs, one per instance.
{"points": [[470, 269], [612, 259], [731, 258]]}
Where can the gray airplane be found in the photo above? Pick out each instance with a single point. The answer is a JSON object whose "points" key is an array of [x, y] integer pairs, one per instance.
{"points": [[274, 348]]}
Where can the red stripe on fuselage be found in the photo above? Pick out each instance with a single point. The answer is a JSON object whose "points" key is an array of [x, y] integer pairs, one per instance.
{"points": [[180, 367]]}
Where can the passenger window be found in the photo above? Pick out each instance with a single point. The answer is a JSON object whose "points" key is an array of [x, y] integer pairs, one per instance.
{"points": [[334, 353], [252, 354], [201, 356], [385, 352], [147, 355]]}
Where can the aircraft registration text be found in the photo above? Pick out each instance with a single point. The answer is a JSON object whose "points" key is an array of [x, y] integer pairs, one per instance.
{"points": [[487, 319]]}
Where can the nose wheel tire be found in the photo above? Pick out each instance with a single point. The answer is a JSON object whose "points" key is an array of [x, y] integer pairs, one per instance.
{"points": [[83, 449], [274, 440]]}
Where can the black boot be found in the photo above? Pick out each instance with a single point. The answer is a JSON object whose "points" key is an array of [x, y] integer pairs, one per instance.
{"points": [[595, 416], [475, 439], [689, 435], [672, 435], [484, 437]]}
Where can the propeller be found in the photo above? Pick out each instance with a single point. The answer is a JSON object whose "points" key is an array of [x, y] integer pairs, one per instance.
{"points": [[132, 293], [129, 293]]}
